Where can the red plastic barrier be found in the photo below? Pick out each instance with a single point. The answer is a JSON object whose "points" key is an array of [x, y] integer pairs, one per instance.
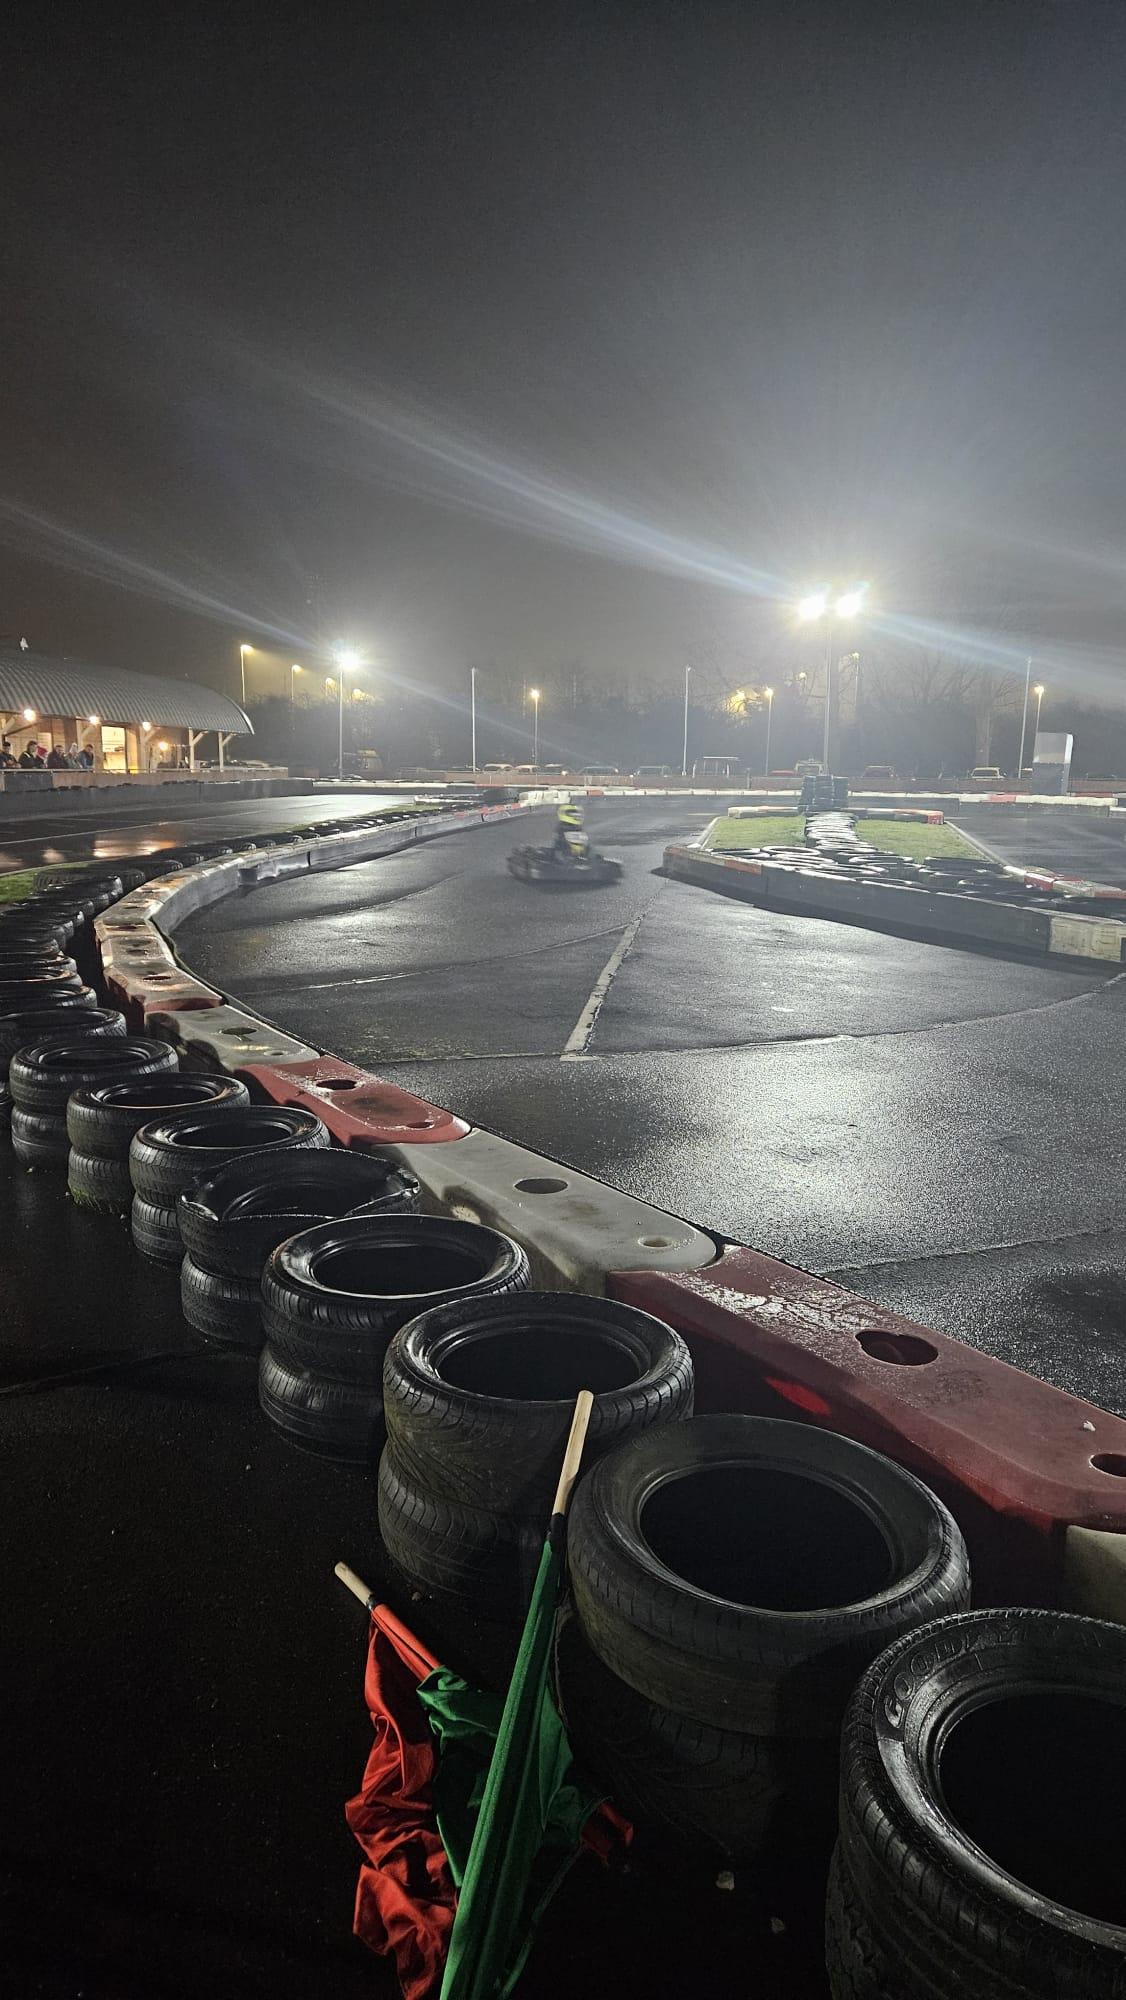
{"points": [[359, 1109], [1017, 1461]]}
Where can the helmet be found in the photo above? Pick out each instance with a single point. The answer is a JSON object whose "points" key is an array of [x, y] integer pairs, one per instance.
{"points": [[571, 814]]}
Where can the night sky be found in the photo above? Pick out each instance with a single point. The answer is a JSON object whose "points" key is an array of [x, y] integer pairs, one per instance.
{"points": [[536, 334]]}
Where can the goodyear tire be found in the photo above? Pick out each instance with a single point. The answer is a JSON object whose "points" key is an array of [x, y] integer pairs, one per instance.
{"points": [[479, 1558], [170, 1153], [333, 1296], [479, 1393], [231, 1221], [981, 1819], [42, 1078], [101, 1185], [103, 1118], [155, 1232], [39, 1139], [226, 1310], [338, 1420], [743, 1571]]}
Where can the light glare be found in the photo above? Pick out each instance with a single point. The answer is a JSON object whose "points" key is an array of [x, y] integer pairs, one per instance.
{"points": [[813, 606], [29, 715], [850, 601]]}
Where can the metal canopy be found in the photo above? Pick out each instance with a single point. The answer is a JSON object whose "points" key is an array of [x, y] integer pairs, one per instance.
{"points": [[73, 687]]}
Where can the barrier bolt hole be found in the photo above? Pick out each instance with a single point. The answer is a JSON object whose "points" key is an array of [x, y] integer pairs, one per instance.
{"points": [[655, 1242], [900, 1350], [1113, 1462], [540, 1184], [335, 1082]]}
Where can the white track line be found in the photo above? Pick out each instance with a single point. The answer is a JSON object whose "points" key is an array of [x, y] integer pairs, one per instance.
{"points": [[578, 1041]]}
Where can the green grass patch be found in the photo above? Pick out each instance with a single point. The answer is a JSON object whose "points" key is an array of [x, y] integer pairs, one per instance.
{"points": [[912, 838], [19, 882], [776, 830], [918, 841]]}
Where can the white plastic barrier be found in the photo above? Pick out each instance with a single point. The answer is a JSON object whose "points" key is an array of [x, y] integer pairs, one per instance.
{"points": [[574, 1229], [225, 1038]]}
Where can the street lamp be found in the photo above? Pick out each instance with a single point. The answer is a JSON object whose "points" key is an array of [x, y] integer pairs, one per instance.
{"points": [[294, 669], [347, 660], [534, 694], [684, 759], [825, 604], [473, 717], [1038, 691], [769, 697], [242, 653]]}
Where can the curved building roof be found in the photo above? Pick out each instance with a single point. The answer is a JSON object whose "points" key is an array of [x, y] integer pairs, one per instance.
{"points": [[73, 687]]}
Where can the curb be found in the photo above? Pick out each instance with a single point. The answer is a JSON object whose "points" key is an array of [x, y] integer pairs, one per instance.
{"points": [[929, 913]]}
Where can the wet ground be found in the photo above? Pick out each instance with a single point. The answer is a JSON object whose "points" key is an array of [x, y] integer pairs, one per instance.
{"points": [[944, 1130], [29, 843]]}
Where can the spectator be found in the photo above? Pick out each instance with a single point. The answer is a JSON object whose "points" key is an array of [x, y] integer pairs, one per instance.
{"points": [[86, 759], [72, 757], [7, 761], [31, 759], [56, 758]]}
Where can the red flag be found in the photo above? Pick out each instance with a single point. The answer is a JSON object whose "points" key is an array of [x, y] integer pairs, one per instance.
{"points": [[405, 1899]]}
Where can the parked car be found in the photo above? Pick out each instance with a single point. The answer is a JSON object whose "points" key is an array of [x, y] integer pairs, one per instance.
{"points": [[600, 771], [645, 771], [987, 774], [878, 777]]}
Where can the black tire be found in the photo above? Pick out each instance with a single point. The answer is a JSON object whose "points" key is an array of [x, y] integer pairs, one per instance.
{"points": [[333, 1419], [20, 961], [101, 1120], [16, 927], [29, 987], [857, 1968], [42, 1078], [155, 1232], [69, 1013], [745, 1795], [102, 1185], [482, 1559], [983, 1813], [333, 1296], [231, 1221], [479, 1394], [168, 1154], [227, 1310], [743, 1571], [39, 1139]]}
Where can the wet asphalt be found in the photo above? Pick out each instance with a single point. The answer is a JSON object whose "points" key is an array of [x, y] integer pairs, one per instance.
{"points": [[942, 1130], [101, 834]]}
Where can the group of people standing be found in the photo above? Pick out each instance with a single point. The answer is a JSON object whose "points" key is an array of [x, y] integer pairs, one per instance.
{"points": [[32, 758]]}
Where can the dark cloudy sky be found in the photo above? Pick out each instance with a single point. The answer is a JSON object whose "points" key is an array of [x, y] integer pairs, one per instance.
{"points": [[541, 332]]}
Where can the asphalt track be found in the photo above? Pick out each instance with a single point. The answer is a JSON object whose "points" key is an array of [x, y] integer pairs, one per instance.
{"points": [[942, 1130]]}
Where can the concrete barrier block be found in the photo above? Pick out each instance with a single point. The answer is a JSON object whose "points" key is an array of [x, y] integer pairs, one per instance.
{"points": [[574, 1229], [224, 1038]]}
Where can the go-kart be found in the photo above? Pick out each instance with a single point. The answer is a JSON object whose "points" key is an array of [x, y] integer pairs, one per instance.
{"points": [[577, 867]]}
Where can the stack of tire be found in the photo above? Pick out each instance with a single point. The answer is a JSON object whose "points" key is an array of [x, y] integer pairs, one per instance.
{"points": [[42, 1078], [232, 1220], [478, 1396], [74, 1013], [169, 1153], [333, 1296], [101, 1121], [982, 1815], [731, 1578]]}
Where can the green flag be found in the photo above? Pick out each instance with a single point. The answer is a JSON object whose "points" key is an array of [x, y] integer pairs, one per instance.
{"points": [[530, 1764]]}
